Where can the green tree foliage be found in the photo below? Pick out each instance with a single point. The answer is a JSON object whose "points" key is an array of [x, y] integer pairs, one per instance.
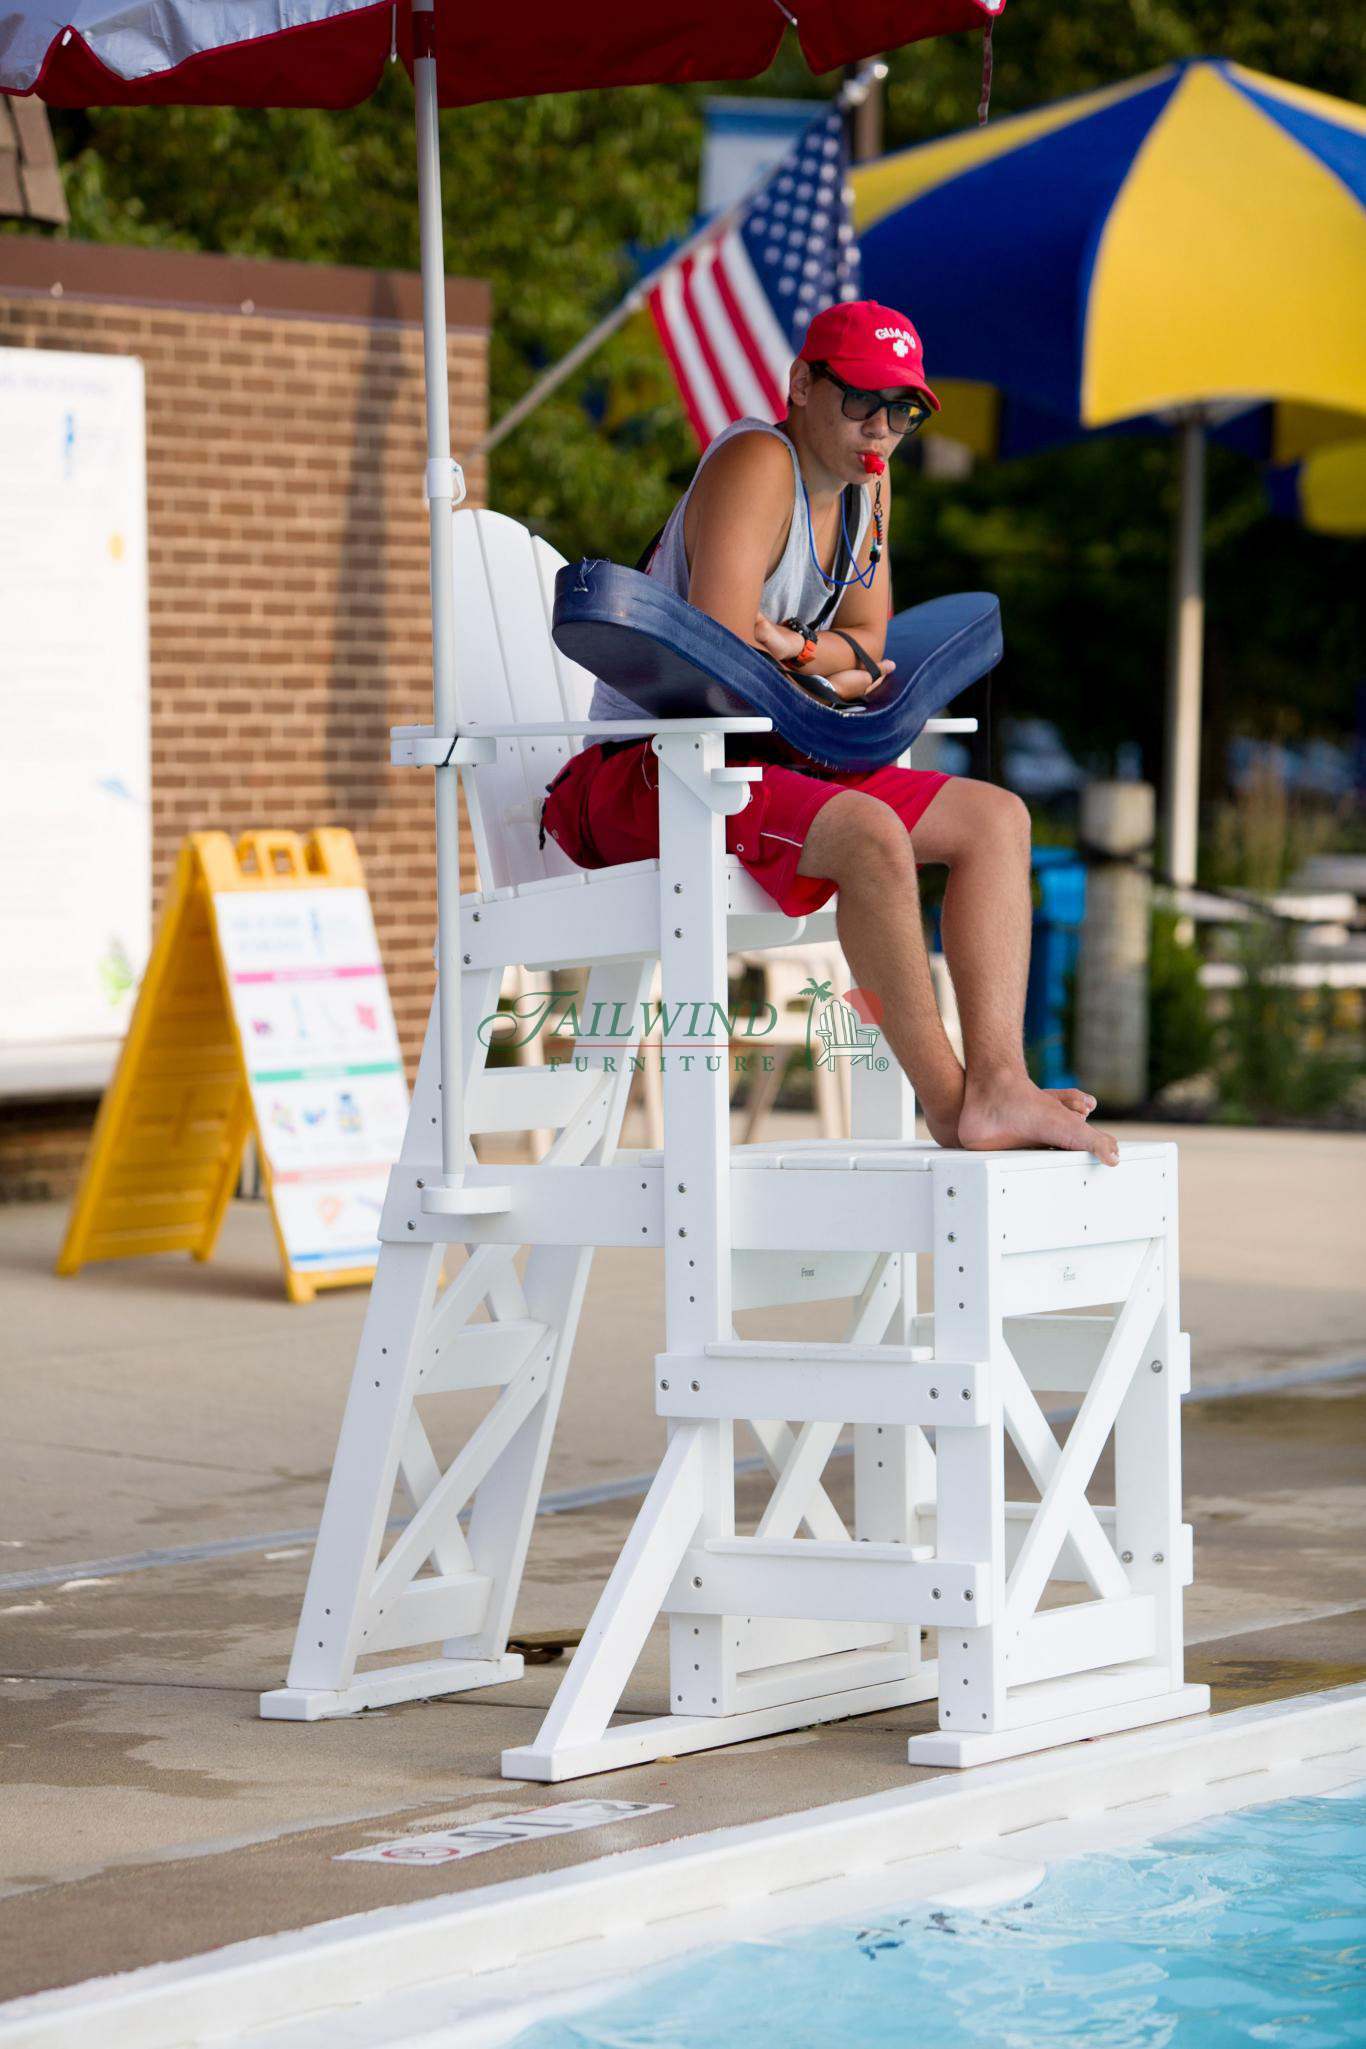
{"points": [[1180, 1034], [545, 197], [1282, 1053]]}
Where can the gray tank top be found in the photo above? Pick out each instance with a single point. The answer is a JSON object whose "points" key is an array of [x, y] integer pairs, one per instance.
{"points": [[796, 589]]}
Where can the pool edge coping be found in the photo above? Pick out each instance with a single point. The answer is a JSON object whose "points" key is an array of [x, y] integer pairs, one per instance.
{"points": [[302, 1974]]}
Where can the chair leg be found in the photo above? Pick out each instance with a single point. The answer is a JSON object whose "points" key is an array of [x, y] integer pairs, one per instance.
{"points": [[505, 1504], [415, 1344], [575, 1740], [1019, 1677], [630, 1603], [336, 1626]]}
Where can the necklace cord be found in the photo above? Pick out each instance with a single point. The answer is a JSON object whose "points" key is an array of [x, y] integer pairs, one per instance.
{"points": [[862, 577]]}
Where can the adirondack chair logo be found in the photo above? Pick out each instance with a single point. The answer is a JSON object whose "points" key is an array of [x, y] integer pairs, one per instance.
{"points": [[842, 1027]]}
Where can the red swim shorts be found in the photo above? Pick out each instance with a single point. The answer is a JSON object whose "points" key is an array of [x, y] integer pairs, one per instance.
{"points": [[604, 809]]}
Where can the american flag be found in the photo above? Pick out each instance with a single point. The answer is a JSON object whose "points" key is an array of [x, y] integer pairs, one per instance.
{"points": [[734, 312]]}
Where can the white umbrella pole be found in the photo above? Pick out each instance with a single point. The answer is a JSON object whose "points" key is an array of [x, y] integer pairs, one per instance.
{"points": [[440, 493], [1181, 769]]}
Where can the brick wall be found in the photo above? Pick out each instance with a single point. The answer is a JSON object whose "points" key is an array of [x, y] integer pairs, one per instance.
{"points": [[287, 563]]}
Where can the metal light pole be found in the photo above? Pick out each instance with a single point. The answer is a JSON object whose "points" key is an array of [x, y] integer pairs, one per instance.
{"points": [[861, 99]]}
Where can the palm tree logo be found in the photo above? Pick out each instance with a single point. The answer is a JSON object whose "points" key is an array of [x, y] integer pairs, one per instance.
{"points": [[819, 992]]}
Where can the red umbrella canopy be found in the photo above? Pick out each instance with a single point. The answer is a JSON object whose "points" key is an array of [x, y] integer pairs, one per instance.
{"points": [[331, 53]]}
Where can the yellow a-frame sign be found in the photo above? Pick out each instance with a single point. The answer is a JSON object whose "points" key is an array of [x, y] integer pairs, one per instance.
{"points": [[264, 1010]]}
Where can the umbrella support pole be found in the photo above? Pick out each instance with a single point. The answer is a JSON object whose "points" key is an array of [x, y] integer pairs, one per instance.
{"points": [[1181, 769], [445, 488]]}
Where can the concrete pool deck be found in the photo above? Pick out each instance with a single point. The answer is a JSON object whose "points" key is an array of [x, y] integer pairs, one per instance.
{"points": [[162, 1407]]}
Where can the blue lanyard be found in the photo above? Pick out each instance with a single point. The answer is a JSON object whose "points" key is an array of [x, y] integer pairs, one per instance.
{"points": [[862, 577]]}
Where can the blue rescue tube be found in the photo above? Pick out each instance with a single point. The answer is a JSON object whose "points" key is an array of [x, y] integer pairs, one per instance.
{"points": [[676, 662]]}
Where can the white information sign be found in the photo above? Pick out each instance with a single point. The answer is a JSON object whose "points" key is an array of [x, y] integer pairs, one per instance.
{"points": [[453, 1845], [75, 820], [323, 1058]]}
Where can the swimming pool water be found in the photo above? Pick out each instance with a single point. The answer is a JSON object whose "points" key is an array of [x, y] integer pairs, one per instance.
{"points": [[1249, 1928]]}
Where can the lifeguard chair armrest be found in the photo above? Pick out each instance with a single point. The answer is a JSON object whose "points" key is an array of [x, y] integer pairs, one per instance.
{"points": [[423, 747], [676, 661]]}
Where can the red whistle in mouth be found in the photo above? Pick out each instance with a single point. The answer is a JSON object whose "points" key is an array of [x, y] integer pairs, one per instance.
{"points": [[874, 464]]}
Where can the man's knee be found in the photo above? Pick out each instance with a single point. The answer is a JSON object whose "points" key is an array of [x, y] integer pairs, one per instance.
{"points": [[1010, 815], [994, 816], [855, 837]]}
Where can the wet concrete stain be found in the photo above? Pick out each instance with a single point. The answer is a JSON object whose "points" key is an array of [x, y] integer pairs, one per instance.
{"points": [[307, 1489], [55, 1742], [1237, 1682], [1334, 1411]]}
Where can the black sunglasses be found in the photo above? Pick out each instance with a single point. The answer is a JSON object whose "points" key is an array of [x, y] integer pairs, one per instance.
{"points": [[904, 415]]}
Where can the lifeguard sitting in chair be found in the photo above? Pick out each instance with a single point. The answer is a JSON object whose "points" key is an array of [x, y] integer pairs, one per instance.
{"points": [[843, 1035], [737, 591]]}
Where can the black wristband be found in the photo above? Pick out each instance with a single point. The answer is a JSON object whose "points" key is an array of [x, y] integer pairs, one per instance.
{"points": [[861, 654]]}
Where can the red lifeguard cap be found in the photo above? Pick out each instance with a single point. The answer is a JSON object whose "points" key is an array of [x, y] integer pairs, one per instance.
{"points": [[868, 345]]}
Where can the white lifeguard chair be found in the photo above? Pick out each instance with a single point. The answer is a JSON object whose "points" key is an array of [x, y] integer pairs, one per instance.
{"points": [[1056, 1616]]}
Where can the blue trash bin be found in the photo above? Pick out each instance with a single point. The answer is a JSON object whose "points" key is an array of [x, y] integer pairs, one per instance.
{"points": [[1058, 920]]}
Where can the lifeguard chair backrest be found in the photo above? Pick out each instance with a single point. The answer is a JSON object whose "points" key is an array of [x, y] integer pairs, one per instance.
{"points": [[507, 669]]}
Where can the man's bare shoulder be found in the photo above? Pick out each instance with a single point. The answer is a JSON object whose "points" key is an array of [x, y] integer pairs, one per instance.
{"points": [[756, 461], [746, 486]]}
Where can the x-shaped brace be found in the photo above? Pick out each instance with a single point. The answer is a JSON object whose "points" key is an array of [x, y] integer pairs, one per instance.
{"points": [[1062, 1473]]}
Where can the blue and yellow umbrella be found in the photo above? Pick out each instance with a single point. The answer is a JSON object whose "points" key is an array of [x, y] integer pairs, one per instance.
{"points": [[1196, 236], [1326, 489], [1186, 248]]}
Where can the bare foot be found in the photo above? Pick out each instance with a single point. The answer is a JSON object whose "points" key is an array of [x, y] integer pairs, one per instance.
{"points": [[944, 1128], [1011, 1112]]}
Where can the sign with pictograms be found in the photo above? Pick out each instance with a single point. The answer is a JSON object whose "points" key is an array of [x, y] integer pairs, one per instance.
{"points": [[264, 1011]]}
